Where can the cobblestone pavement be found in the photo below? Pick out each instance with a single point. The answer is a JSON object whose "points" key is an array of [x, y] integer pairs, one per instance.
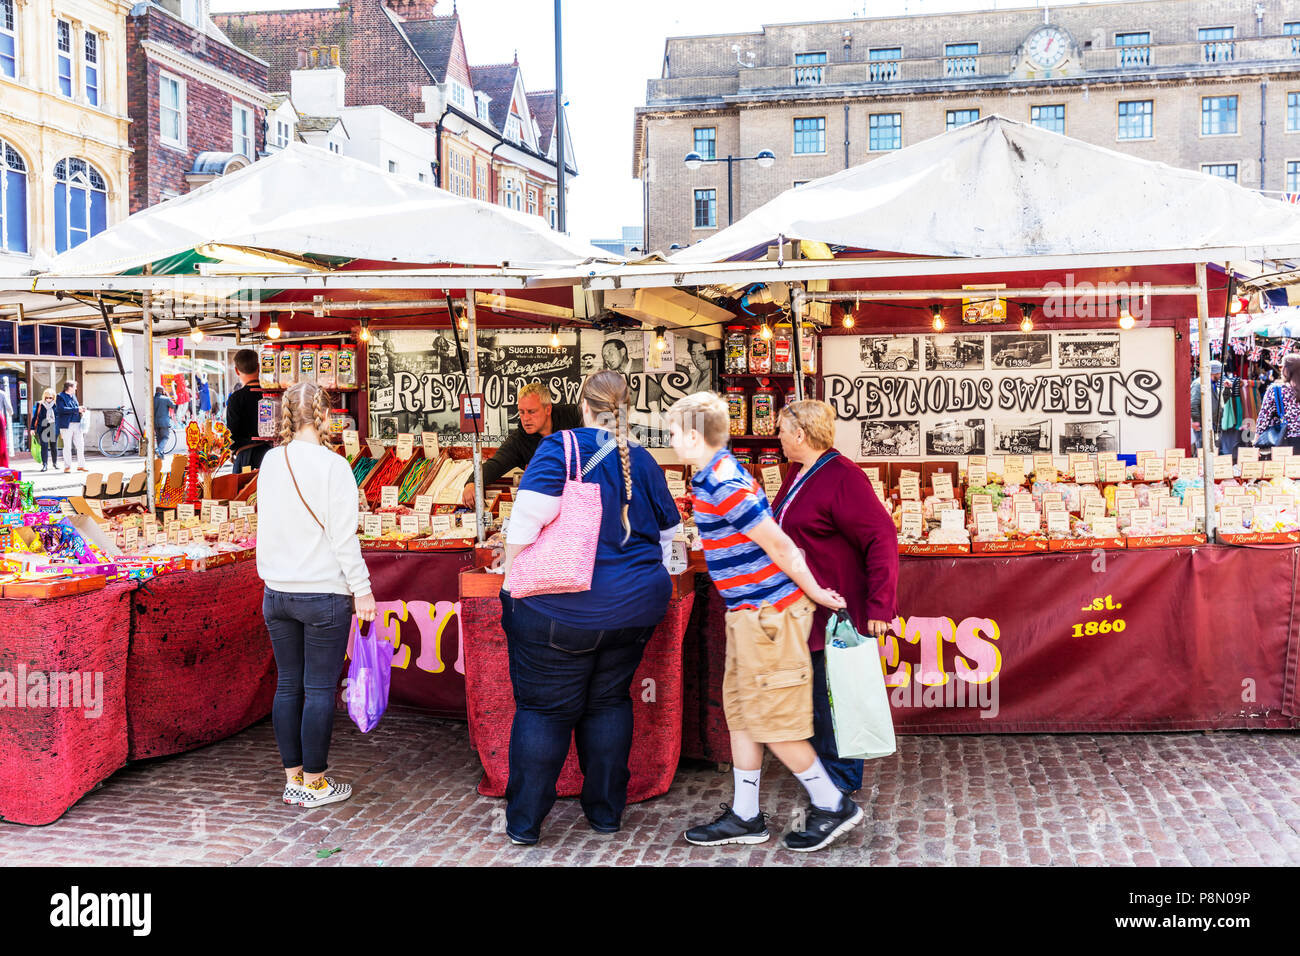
{"points": [[1155, 799]]}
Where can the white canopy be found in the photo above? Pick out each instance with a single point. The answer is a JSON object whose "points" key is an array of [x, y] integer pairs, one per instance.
{"points": [[308, 201], [998, 187]]}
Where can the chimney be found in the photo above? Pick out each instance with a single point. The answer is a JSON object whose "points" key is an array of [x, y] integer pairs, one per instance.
{"points": [[317, 87], [413, 9]]}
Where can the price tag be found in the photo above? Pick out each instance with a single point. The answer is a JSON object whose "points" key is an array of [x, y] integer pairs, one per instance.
{"points": [[1241, 501], [1125, 493], [184, 512], [1053, 500], [1252, 470], [986, 524], [405, 446], [205, 514], [423, 504], [981, 502], [130, 538], [174, 535], [953, 520], [1291, 467], [1195, 500], [1142, 457], [1177, 518], [1115, 471], [1246, 453], [371, 526], [1285, 503], [1105, 527], [65, 508], [469, 524], [1222, 467], [912, 507], [879, 489], [1272, 469], [422, 522], [913, 525], [388, 521], [1013, 470], [1022, 498], [440, 525], [1173, 456], [430, 442], [505, 509], [410, 524], [1028, 522], [1044, 468], [676, 486], [948, 505], [220, 514], [241, 527], [1230, 516], [1085, 472], [1188, 469], [351, 443], [1105, 456], [977, 476], [1282, 451], [388, 496], [942, 484], [771, 480], [1093, 510], [224, 532], [183, 536], [980, 460], [1140, 520], [872, 472], [909, 486], [1265, 518], [1058, 522]]}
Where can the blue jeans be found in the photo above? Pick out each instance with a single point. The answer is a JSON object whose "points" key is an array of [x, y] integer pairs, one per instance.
{"points": [[845, 774], [309, 635], [568, 683]]}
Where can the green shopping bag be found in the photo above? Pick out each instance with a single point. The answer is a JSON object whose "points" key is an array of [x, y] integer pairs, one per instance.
{"points": [[36, 448], [864, 724]]}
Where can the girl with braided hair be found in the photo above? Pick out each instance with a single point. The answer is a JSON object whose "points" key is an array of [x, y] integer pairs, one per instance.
{"points": [[572, 656], [309, 558]]}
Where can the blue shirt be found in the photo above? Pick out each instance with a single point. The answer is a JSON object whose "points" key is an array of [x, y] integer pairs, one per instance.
{"points": [[66, 409], [630, 586]]}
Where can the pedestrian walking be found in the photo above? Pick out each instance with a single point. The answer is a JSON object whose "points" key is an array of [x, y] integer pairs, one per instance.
{"points": [[68, 413], [1288, 390], [45, 430]]}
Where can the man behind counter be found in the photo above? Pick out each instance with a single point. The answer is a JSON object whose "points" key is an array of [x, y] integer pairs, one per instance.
{"points": [[241, 414], [537, 419]]}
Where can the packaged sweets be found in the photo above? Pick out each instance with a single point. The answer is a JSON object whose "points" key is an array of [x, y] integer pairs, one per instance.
{"points": [[737, 410], [327, 367], [736, 351], [760, 353], [269, 377], [764, 414]]}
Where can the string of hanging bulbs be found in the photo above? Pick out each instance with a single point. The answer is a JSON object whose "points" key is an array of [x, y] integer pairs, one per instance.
{"points": [[1126, 319]]}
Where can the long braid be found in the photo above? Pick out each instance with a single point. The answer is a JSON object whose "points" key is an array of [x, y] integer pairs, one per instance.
{"points": [[625, 462], [286, 420], [321, 410]]}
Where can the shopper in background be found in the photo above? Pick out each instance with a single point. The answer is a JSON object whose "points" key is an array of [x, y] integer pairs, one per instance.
{"points": [[830, 510], [572, 656], [241, 414], [6, 417], [162, 414], [45, 429], [1216, 373], [1289, 387], [309, 558], [67, 414]]}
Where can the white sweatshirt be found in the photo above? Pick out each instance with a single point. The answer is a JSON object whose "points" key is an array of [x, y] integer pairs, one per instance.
{"points": [[293, 553]]}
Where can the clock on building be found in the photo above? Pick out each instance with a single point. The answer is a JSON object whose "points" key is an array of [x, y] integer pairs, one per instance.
{"points": [[1047, 47]]}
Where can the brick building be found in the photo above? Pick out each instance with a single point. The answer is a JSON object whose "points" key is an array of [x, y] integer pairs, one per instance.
{"points": [[198, 103], [1204, 84], [493, 140]]}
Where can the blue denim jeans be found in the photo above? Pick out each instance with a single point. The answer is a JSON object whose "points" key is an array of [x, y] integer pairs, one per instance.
{"points": [[569, 683], [845, 774], [309, 635]]}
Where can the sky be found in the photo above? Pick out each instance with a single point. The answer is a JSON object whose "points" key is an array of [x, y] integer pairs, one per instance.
{"points": [[611, 48]]}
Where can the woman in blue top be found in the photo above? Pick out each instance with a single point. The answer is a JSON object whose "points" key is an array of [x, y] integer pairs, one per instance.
{"points": [[572, 656]]}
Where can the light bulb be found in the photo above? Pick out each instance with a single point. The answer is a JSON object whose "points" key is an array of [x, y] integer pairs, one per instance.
{"points": [[1026, 324], [196, 334], [1238, 305], [118, 335], [661, 343], [555, 336], [936, 321], [273, 330], [764, 332], [1126, 320], [463, 322], [848, 320], [364, 334]]}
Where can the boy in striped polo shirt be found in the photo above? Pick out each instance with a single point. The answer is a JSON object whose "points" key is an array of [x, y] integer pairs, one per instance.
{"points": [[767, 685]]}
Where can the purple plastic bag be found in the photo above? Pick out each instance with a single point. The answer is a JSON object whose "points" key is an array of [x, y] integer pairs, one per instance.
{"points": [[368, 677]]}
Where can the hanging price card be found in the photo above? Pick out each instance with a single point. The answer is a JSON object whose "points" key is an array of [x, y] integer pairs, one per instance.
{"points": [[1115, 471], [371, 526], [909, 486], [351, 443], [429, 440], [942, 484], [405, 446], [977, 475], [912, 526], [1222, 467], [423, 504], [388, 496], [409, 524], [1044, 468], [1013, 470], [1251, 470], [1085, 472], [1105, 456], [771, 480], [1058, 522], [986, 524], [1188, 469]]}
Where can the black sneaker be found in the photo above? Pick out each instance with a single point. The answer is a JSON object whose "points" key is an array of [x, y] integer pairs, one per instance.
{"points": [[729, 828], [824, 826]]}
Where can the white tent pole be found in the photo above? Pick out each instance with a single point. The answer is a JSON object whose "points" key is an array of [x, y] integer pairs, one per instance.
{"points": [[1207, 396], [147, 308], [796, 313], [471, 385]]}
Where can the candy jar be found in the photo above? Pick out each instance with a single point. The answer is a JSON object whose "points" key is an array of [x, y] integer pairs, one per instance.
{"points": [[737, 410], [764, 410], [736, 351], [783, 349], [307, 363], [769, 456], [288, 365], [327, 366], [760, 352], [269, 376]]}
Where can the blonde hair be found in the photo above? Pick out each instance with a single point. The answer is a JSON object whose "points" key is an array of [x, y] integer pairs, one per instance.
{"points": [[606, 395], [536, 390], [48, 392], [817, 419], [303, 404], [706, 413]]}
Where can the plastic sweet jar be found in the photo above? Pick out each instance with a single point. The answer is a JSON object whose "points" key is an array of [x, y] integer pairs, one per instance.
{"points": [[736, 351], [269, 377], [743, 457], [760, 352], [769, 456], [327, 366], [764, 410], [783, 349], [737, 410], [808, 349], [339, 422], [268, 417], [345, 366], [288, 365], [307, 363]]}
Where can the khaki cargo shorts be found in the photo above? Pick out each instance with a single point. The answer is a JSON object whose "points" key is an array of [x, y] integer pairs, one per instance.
{"points": [[767, 685]]}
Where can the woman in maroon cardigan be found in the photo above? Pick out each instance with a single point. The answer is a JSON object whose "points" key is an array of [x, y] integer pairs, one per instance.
{"points": [[850, 543]]}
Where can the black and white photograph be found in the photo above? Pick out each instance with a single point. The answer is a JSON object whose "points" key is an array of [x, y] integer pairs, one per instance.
{"points": [[622, 353], [1023, 350], [1021, 437], [1087, 349], [955, 437], [1088, 438], [898, 353], [891, 439], [952, 352]]}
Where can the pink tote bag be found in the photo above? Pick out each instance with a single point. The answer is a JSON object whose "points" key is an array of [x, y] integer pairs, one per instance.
{"points": [[563, 558]]}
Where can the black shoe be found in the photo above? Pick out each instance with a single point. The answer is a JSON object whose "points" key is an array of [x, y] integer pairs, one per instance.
{"points": [[729, 828], [823, 826]]}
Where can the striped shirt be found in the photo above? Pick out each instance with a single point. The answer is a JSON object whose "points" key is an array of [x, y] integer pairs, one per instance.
{"points": [[729, 503]]}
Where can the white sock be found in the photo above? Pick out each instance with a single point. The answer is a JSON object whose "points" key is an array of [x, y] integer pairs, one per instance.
{"points": [[821, 790], [745, 804]]}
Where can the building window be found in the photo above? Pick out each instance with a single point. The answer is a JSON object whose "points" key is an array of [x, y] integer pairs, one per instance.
{"points": [[1217, 44], [171, 112], [334, 147], [80, 203], [1293, 112], [1218, 115], [1135, 119], [1048, 117], [532, 202], [513, 128], [960, 59], [885, 131], [810, 134], [706, 208], [800, 182], [281, 134], [13, 200], [92, 68], [883, 63], [958, 118], [63, 36], [809, 69], [1134, 50], [242, 119], [1292, 30], [458, 94], [1292, 176], [8, 40], [1226, 171], [392, 166], [706, 142], [481, 188]]}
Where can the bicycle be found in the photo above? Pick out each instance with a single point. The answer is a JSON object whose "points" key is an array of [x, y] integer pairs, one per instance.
{"points": [[122, 435]]}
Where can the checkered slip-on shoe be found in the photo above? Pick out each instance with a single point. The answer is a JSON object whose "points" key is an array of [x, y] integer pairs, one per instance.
{"points": [[323, 791], [293, 789]]}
